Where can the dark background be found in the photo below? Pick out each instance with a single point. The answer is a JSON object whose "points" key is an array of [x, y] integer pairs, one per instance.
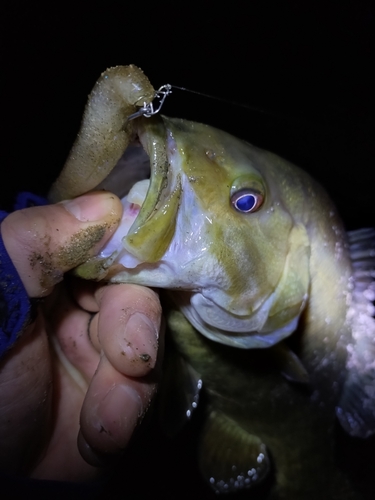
{"points": [[303, 70], [307, 65]]}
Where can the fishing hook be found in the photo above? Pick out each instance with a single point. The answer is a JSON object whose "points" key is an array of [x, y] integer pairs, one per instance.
{"points": [[148, 109]]}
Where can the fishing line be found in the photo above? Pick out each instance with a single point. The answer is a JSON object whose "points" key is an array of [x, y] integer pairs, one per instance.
{"points": [[222, 99], [151, 109], [249, 107]]}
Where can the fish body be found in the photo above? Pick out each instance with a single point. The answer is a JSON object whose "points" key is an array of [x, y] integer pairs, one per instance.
{"points": [[291, 424], [267, 310]]}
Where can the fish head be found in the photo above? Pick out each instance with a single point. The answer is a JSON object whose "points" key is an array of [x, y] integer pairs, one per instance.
{"points": [[214, 224]]}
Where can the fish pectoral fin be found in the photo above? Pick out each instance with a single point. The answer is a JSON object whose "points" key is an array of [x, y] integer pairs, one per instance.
{"points": [[230, 458], [290, 365], [178, 394], [356, 409]]}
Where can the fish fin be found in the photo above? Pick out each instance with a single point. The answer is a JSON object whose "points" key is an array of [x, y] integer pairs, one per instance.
{"points": [[179, 393], [230, 458], [356, 409], [289, 363]]}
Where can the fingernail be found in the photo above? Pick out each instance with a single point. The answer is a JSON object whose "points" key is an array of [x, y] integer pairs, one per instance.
{"points": [[141, 340], [91, 206], [91, 456], [119, 413]]}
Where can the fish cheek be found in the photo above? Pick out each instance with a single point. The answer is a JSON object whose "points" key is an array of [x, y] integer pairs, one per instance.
{"points": [[252, 250], [292, 291]]}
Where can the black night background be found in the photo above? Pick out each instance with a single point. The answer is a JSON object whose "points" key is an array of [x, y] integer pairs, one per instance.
{"points": [[303, 71]]}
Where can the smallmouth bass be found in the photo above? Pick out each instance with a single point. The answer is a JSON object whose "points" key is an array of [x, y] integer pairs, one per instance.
{"points": [[270, 299]]}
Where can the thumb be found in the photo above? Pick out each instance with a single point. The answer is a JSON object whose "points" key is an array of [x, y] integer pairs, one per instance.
{"points": [[45, 242]]}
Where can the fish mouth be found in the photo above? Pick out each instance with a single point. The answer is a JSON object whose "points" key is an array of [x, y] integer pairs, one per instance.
{"points": [[146, 179]]}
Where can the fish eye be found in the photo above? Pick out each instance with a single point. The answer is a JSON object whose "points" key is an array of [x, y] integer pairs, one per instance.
{"points": [[247, 200]]}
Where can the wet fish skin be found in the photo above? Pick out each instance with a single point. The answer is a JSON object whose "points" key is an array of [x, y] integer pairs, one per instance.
{"points": [[297, 423]]}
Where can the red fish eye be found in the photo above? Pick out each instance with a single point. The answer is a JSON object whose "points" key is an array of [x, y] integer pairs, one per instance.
{"points": [[247, 200]]}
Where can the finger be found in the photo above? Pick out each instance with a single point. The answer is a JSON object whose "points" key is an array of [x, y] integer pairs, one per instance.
{"points": [[69, 326], [113, 407], [45, 242], [83, 292], [127, 327], [129, 339], [128, 322]]}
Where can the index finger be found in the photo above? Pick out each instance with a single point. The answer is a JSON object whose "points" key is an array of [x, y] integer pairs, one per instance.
{"points": [[127, 327]]}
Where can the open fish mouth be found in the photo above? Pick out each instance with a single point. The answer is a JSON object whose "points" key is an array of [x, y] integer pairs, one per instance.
{"points": [[146, 179]]}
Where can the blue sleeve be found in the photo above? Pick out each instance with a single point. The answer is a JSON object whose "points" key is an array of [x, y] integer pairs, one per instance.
{"points": [[16, 309]]}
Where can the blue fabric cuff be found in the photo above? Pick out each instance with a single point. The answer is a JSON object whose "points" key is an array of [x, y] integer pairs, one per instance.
{"points": [[16, 309]]}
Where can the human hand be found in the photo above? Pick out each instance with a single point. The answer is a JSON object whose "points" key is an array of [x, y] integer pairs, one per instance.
{"points": [[88, 365]]}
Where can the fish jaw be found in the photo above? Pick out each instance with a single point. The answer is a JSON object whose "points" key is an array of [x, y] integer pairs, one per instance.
{"points": [[186, 263], [240, 332]]}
